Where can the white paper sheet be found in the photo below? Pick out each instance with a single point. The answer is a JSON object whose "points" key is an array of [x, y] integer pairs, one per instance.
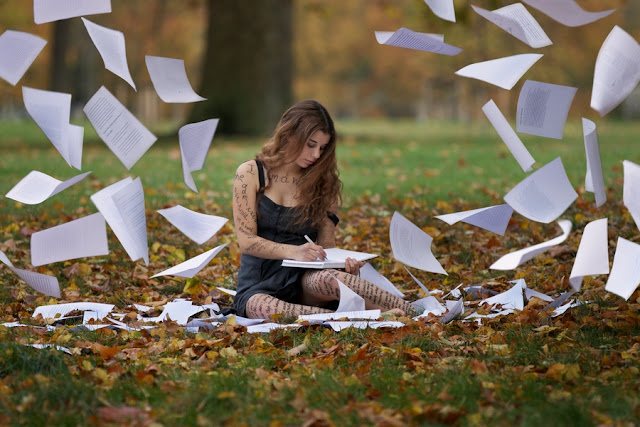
{"points": [[544, 195], [195, 140], [428, 305], [125, 136], [594, 178], [55, 10], [631, 189], [593, 253], [492, 218], [516, 20], [567, 12], [349, 300], [51, 311], [530, 293], [543, 108], [37, 187], [341, 325], [169, 78], [454, 310], [617, 71], [625, 272], [559, 301], [197, 226], [83, 237], [442, 9], [367, 272], [510, 299], [514, 259], [502, 72], [178, 311], [364, 314], [415, 279], [408, 39], [412, 246], [111, 46], [18, 50], [192, 266], [508, 135], [122, 205], [43, 283], [51, 110]]}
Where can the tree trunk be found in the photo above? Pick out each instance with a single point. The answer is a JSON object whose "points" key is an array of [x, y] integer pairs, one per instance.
{"points": [[247, 66], [58, 72]]}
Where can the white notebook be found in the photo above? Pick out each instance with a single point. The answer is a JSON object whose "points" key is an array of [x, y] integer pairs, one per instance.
{"points": [[335, 259]]}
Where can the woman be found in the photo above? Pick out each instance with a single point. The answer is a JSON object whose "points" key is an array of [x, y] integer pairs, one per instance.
{"points": [[291, 190]]}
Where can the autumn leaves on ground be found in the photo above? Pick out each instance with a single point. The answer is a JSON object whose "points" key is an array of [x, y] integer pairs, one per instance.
{"points": [[580, 368]]}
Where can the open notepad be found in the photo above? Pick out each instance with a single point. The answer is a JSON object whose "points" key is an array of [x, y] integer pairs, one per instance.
{"points": [[335, 259]]}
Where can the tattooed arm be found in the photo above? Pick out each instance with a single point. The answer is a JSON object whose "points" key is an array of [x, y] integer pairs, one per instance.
{"points": [[245, 189], [327, 239]]}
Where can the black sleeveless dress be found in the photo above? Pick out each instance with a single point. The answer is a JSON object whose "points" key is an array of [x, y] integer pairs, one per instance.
{"points": [[268, 276]]}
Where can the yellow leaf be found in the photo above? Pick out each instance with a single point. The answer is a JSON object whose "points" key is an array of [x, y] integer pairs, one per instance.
{"points": [[87, 366], [155, 247], [192, 286]]}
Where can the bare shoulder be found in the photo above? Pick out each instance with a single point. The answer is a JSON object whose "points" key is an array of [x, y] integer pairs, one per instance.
{"points": [[247, 172]]}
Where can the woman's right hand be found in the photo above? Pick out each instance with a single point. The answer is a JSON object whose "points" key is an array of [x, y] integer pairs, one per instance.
{"points": [[309, 252]]}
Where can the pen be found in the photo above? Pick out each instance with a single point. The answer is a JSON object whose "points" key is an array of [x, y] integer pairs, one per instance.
{"points": [[311, 241]]}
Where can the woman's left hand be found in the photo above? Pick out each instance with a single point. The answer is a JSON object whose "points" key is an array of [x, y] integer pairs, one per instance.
{"points": [[353, 266]]}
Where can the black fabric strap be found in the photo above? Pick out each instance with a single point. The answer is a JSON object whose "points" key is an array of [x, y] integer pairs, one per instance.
{"points": [[333, 218], [260, 173]]}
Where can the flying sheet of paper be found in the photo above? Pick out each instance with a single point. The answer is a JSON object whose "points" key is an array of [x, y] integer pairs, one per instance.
{"points": [[51, 110], [567, 12], [43, 283], [415, 279], [510, 299], [364, 314], [83, 237], [625, 272], [408, 39], [543, 108], [125, 136], [544, 195], [169, 78], [516, 20], [514, 259], [508, 135], [349, 300], [617, 71], [60, 310], [195, 140], [593, 253], [368, 273], [18, 50], [631, 189], [192, 266], [442, 9], [492, 218], [412, 246], [197, 226], [502, 72], [122, 205], [594, 179], [111, 46], [428, 305], [55, 10], [37, 187]]}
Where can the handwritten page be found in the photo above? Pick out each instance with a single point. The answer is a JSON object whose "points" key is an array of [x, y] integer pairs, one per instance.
{"points": [[544, 195], [364, 314], [593, 253], [51, 110], [415, 279], [56, 10], [111, 46], [594, 179], [543, 108], [514, 259], [18, 50], [195, 140], [125, 136], [169, 78], [197, 226], [43, 283], [508, 135], [60, 310], [492, 218], [368, 273], [37, 187], [567, 12], [192, 266], [408, 39], [83, 237], [502, 72], [442, 9], [617, 71], [131, 231], [412, 246], [516, 20], [625, 272], [631, 189], [511, 299]]}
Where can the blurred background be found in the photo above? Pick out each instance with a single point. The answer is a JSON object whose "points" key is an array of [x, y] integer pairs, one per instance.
{"points": [[252, 59]]}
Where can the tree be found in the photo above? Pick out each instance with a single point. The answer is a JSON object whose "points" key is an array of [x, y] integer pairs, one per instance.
{"points": [[248, 65]]}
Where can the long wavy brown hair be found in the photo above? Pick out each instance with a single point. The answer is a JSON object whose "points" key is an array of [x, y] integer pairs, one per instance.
{"points": [[319, 189]]}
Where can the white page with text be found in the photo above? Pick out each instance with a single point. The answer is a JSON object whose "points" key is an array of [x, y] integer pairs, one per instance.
{"points": [[567, 12], [18, 50], [516, 20], [543, 109], [409, 39]]}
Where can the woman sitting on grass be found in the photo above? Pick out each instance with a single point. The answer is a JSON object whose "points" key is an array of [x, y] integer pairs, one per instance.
{"points": [[292, 190]]}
